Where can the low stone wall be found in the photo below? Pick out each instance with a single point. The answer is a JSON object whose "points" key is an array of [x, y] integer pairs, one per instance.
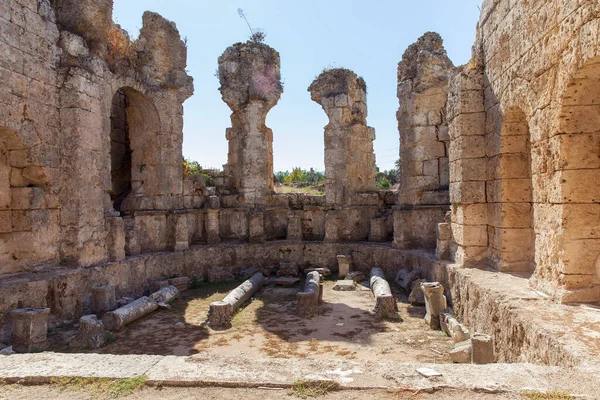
{"points": [[67, 292], [526, 325]]}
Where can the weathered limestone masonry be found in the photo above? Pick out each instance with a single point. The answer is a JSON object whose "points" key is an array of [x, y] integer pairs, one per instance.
{"points": [[349, 157], [526, 109], [63, 68], [423, 200], [250, 85]]}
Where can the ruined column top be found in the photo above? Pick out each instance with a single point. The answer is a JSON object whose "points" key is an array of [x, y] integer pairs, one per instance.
{"points": [[425, 57], [250, 71], [333, 82]]}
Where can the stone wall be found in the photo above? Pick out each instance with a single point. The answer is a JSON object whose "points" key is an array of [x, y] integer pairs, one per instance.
{"points": [[76, 93], [423, 200], [525, 108]]}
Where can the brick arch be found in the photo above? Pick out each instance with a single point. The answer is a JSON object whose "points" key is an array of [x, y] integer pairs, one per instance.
{"points": [[135, 150], [510, 200]]}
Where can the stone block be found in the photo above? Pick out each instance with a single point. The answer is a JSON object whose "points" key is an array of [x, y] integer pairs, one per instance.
{"points": [[29, 329], [103, 299], [344, 265], [214, 202], [416, 296], [181, 283], [483, 348], [345, 286], [91, 333], [379, 231], [461, 353], [287, 269], [256, 227]]}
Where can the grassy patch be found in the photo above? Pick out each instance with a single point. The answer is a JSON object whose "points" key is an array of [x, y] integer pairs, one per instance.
{"points": [[111, 388], [552, 395], [306, 389]]}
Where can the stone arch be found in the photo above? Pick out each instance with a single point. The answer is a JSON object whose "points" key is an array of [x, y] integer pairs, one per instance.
{"points": [[575, 165], [510, 206], [134, 150]]}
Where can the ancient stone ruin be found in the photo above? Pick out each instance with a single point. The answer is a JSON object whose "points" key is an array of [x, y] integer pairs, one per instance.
{"points": [[497, 215]]}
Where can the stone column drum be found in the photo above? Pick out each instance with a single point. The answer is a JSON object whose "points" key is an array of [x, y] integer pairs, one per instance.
{"points": [[435, 303], [29, 329], [250, 79]]}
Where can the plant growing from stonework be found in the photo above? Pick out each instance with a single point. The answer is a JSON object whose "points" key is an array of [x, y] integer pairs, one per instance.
{"points": [[256, 36], [121, 50]]}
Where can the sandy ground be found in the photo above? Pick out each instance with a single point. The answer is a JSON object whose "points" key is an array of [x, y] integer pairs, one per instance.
{"points": [[268, 326], [16, 392]]}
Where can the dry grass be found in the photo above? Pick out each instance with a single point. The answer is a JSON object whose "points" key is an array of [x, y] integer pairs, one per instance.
{"points": [[552, 395], [101, 387], [306, 389], [306, 190]]}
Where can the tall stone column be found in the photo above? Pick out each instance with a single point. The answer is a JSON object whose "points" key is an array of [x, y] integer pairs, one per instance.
{"points": [[423, 76], [349, 157], [250, 85]]}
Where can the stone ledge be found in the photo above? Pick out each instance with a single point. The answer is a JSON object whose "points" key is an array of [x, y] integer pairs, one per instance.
{"points": [[227, 371]]}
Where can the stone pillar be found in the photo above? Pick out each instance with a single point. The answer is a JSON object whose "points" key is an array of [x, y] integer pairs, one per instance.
{"points": [[250, 85], [349, 157], [344, 265], [423, 199], [435, 303], [29, 329], [256, 227], [212, 227], [444, 237], [294, 228], [178, 238], [468, 167], [103, 299], [115, 238]]}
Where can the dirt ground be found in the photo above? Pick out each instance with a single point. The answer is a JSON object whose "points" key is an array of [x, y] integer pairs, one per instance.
{"points": [[46, 392], [268, 326]]}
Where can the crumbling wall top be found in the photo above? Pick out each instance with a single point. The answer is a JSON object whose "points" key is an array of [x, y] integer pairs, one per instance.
{"points": [[425, 62]]}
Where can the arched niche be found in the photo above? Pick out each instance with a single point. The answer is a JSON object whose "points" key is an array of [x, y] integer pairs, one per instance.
{"points": [[134, 150], [510, 209]]}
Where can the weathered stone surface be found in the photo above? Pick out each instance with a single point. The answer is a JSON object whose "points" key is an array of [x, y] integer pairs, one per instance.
{"points": [[435, 303], [356, 276], [308, 299], [221, 312], [103, 299], [344, 265], [321, 271], [482, 348], [349, 157], [286, 281], [182, 283], [117, 319], [344, 286], [450, 325], [29, 329], [385, 306], [405, 278], [416, 296], [461, 353], [287, 269], [90, 334], [250, 79], [166, 294]]}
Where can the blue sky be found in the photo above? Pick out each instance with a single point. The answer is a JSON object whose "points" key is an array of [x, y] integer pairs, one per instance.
{"points": [[368, 37]]}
